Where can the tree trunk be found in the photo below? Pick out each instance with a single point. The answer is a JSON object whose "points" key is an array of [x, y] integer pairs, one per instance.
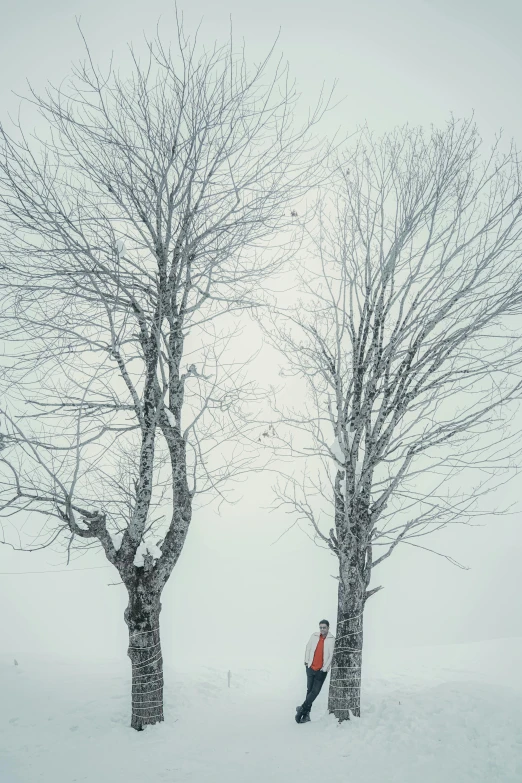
{"points": [[142, 618], [345, 678]]}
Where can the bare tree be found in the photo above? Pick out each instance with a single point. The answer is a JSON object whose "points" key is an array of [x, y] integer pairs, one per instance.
{"points": [[135, 219], [406, 337]]}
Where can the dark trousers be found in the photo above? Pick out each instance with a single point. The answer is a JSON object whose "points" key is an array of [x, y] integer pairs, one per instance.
{"points": [[314, 683]]}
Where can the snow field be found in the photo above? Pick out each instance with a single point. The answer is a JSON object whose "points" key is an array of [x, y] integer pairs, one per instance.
{"points": [[448, 714]]}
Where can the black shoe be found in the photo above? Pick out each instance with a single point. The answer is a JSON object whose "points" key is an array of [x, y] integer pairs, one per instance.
{"points": [[305, 718], [298, 714]]}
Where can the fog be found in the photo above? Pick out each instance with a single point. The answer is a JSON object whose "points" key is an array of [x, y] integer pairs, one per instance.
{"points": [[243, 592]]}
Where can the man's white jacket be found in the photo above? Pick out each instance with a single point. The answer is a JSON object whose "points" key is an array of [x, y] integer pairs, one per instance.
{"points": [[327, 650]]}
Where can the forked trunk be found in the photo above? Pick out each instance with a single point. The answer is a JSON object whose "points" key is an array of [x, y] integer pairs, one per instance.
{"points": [[345, 678], [142, 618]]}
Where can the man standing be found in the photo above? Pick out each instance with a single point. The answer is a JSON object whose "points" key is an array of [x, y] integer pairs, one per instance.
{"points": [[318, 659]]}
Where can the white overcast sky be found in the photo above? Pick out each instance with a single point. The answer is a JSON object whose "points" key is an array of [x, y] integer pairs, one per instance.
{"points": [[235, 596]]}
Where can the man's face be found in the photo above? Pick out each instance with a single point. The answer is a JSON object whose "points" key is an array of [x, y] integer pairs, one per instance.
{"points": [[324, 629]]}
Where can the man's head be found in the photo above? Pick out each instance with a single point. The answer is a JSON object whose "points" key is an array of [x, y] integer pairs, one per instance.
{"points": [[324, 627]]}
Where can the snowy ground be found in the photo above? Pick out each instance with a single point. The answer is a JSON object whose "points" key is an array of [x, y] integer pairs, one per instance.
{"points": [[448, 714]]}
